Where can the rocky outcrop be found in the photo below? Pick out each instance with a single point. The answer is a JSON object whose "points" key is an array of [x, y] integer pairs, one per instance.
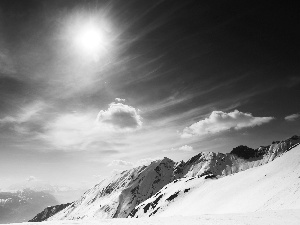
{"points": [[48, 212]]}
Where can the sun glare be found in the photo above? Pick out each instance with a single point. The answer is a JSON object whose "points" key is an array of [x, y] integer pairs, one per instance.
{"points": [[90, 39]]}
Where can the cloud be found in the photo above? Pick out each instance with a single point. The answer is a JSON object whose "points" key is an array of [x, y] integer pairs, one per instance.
{"points": [[120, 99], [121, 116], [87, 130], [31, 178], [120, 163], [25, 121], [141, 162], [220, 121], [145, 162], [6, 64], [184, 148], [292, 117], [26, 113], [71, 131]]}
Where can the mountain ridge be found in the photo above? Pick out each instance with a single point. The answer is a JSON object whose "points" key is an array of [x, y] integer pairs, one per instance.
{"points": [[117, 196], [273, 186]]}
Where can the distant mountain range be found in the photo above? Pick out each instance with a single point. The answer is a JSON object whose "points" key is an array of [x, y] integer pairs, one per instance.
{"points": [[150, 190], [63, 194], [36, 185], [20, 206], [22, 201]]}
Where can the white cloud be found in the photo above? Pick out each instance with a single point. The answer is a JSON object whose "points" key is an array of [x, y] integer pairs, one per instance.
{"points": [[220, 121], [141, 162], [184, 148], [292, 117], [120, 163], [121, 116], [120, 99], [145, 162], [31, 178]]}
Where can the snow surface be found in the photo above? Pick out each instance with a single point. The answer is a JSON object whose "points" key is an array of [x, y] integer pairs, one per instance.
{"points": [[273, 186], [289, 217]]}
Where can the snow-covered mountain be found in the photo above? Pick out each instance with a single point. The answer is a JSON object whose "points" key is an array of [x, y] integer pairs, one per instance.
{"points": [[48, 212], [239, 159], [275, 186], [119, 195]]}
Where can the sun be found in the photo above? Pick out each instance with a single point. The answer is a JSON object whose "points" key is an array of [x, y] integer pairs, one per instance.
{"points": [[90, 39]]}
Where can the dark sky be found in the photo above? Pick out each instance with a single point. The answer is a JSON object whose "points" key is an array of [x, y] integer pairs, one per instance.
{"points": [[163, 78]]}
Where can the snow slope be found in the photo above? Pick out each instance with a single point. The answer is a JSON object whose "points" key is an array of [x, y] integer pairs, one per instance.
{"points": [[118, 195], [274, 186], [290, 217]]}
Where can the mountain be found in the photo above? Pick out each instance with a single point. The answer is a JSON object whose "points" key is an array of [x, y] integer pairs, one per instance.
{"points": [[22, 205], [274, 186], [48, 212], [63, 194], [117, 196], [239, 159]]}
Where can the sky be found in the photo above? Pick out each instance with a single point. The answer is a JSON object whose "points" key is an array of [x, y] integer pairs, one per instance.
{"points": [[89, 88]]}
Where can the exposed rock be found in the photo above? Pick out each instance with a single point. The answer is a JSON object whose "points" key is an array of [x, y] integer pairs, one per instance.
{"points": [[49, 211]]}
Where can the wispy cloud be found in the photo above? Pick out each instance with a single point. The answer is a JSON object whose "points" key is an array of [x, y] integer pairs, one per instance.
{"points": [[292, 117], [119, 162], [22, 121], [221, 121], [123, 163], [184, 148], [6, 64], [83, 130], [25, 114]]}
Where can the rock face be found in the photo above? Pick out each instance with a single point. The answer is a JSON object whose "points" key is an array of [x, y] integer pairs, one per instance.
{"points": [[117, 196], [48, 212]]}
